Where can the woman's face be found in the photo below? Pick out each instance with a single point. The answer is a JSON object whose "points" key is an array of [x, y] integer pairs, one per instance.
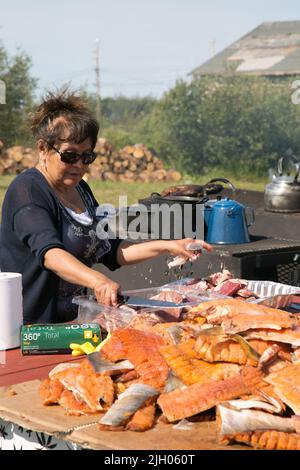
{"points": [[65, 174]]}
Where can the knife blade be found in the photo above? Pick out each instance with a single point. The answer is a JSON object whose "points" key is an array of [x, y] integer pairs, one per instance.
{"points": [[141, 302]]}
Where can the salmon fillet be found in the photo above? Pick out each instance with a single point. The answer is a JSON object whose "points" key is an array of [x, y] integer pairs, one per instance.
{"points": [[269, 440], [183, 403], [87, 386], [74, 407], [286, 384], [237, 315], [218, 348], [144, 418], [188, 348], [50, 391], [191, 370], [286, 335], [141, 348]]}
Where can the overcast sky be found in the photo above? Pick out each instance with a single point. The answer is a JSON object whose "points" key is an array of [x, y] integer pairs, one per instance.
{"points": [[145, 45]]}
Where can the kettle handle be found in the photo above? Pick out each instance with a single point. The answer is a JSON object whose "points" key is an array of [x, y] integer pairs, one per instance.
{"points": [[295, 160], [252, 220], [223, 180]]}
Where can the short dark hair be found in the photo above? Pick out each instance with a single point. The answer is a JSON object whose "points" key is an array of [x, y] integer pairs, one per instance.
{"points": [[63, 111]]}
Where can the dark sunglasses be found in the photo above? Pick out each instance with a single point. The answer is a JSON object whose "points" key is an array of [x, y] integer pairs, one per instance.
{"points": [[69, 156]]}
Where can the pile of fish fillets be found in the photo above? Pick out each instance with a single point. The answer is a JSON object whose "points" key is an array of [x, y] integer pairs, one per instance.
{"points": [[229, 360]]}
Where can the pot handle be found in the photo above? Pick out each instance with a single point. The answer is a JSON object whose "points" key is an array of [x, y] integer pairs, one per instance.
{"points": [[252, 219], [223, 180], [292, 157], [155, 195]]}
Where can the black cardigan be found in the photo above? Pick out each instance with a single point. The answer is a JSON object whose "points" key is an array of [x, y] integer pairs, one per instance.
{"points": [[31, 225]]}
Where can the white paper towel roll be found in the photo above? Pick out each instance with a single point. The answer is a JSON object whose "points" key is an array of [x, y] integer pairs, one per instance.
{"points": [[11, 310]]}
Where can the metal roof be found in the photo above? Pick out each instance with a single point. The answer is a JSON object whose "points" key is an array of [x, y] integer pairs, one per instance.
{"points": [[271, 49]]}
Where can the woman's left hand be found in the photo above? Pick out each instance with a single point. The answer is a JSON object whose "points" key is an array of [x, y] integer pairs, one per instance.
{"points": [[179, 248]]}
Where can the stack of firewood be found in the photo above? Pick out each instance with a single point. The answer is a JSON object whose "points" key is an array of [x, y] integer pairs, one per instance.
{"points": [[132, 163], [16, 159]]}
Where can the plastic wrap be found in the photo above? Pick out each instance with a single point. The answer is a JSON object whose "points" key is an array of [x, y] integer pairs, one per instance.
{"points": [[272, 294], [109, 318], [112, 318], [187, 287]]}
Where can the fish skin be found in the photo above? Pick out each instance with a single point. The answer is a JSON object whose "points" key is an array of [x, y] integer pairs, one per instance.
{"points": [[127, 404], [173, 382], [101, 365], [269, 440], [233, 421]]}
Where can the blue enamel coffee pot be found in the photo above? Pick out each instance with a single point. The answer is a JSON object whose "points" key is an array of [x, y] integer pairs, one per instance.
{"points": [[228, 223]]}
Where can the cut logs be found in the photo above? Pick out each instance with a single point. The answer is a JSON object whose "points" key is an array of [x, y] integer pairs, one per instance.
{"points": [[132, 163]]}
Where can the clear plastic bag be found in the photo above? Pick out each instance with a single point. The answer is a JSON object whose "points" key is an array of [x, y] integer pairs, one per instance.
{"points": [[109, 318]]}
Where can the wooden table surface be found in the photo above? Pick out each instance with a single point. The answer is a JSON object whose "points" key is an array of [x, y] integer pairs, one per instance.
{"points": [[16, 368]]}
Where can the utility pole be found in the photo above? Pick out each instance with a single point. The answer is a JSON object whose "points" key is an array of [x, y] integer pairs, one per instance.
{"points": [[212, 47], [97, 83]]}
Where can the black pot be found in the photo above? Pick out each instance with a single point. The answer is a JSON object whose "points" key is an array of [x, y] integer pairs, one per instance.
{"points": [[191, 215]]}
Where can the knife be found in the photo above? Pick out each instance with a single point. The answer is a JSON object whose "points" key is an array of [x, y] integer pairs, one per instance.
{"points": [[141, 302]]}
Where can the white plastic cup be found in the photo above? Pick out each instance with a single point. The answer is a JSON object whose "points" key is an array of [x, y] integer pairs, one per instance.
{"points": [[11, 310]]}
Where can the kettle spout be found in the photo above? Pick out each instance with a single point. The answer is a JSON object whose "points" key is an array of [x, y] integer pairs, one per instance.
{"points": [[271, 174]]}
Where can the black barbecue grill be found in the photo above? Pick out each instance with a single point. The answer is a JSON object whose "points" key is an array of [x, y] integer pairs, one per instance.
{"points": [[264, 258], [273, 253]]}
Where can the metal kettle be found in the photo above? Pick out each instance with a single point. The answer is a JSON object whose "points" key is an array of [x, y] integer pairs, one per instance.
{"points": [[228, 223], [283, 193]]}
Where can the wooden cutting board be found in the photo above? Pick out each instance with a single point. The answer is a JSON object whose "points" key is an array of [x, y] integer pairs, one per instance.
{"points": [[25, 409]]}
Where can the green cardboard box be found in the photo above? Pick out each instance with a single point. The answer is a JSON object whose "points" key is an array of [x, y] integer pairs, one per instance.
{"points": [[56, 338]]}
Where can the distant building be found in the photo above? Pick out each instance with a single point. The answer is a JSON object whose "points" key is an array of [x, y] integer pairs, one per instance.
{"points": [[271, 49]]}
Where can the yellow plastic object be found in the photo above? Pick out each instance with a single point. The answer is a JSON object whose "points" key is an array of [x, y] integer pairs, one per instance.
{"points": [[77, 353], [80, 349]]}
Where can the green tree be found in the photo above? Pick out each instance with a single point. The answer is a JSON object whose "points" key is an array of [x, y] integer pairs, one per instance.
{"points": [[20, 87], [241, 124]]}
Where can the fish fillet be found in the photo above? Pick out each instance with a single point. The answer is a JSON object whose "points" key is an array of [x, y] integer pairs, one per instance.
{"points": [[269, 440], [72, 406], [286, 335], [286, 383], [190, 370], [183, 403], [87, 386], [50, 391], [141, 348], [237, 315], [218, 348], [143, 418]]}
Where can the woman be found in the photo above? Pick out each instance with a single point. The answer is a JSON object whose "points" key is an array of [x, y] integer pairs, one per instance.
{"points": [[49, 221]]}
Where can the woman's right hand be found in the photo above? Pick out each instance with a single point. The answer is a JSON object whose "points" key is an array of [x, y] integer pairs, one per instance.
{"points": [[106, 291]]}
